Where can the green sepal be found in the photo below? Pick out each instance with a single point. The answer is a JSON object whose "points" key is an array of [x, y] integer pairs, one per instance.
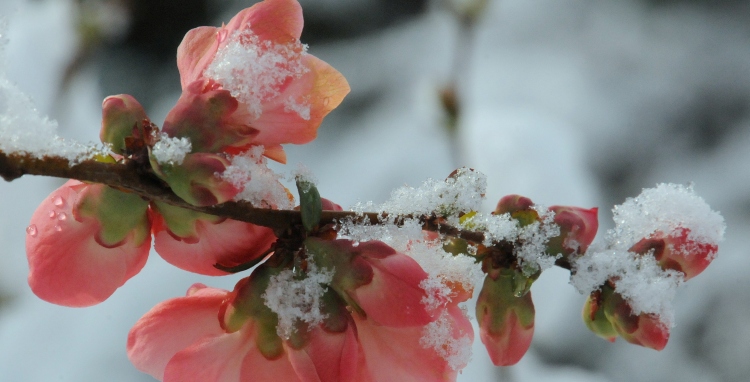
{"points": [[595, 317], [119, 214], [311, 207], [248, 304], [498, 297], [121, 115], [182, 222], [195, 180]]}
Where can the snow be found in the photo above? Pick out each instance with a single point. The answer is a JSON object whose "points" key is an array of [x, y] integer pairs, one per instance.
{"points": [[438, 335], [254, 71], [294, 299], [258, 184], [666, 208], [168, 150], [639, 278]]}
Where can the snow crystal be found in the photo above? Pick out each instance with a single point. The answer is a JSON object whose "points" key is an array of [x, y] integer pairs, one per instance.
{"points": [[23, 130], [443, 269], [438, 335], [254, 71], [303, 109], [296, 300], [304, 174], [534, 238], [171, 150], [260, 186], [462, 192], [639, 279], [666, 208]]}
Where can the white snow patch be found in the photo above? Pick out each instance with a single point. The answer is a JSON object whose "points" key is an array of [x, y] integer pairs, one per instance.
{"points": [[639, 279], [296, 300], [666, 208], [253, 71], [462, 192], [438, 335], [172, 151], [24, 131], [260, 185]]}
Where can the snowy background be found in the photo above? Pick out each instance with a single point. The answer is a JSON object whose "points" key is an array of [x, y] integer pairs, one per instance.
{"points": [[580, 102]]}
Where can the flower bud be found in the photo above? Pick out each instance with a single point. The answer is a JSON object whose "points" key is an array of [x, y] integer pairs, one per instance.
{"points": [[196, 180], [578, 228], [596, 320], [644, 329], [677, 251], [519, 208], [506, 320], [121, 114]]}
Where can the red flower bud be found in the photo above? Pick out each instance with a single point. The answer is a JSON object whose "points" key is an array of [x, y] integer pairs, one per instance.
{"points": [[120, 115], [506, 320], [578, 228], [677, 251], [644, 329]]}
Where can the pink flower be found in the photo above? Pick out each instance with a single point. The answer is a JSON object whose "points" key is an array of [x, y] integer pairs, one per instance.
{"points": [[505, 316], [678, 251], [84, 242], [252, 83], [371, 325]]}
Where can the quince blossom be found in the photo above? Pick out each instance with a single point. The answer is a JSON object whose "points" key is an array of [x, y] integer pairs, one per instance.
{"points": [[370, 314], [251, 82], [220, 115]]}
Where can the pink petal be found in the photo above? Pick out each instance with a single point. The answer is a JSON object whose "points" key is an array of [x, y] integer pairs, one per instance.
{"points": [[328, 356], [172, 326], [279, 21], [256, 367], [396, 354], [67, 265], [229, 243], [322, 88], [211, 359], [393, 297], [195, 53], [210, 118]]}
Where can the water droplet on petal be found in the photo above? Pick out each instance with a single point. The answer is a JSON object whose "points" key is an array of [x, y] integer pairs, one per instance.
{"points": [[326, 101], [31, 230], [58, 228], [62, 216], [58, 201], [52, 214]]}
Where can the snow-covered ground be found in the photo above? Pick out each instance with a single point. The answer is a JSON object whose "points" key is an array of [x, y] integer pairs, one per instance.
{"points": [[580, 102]]}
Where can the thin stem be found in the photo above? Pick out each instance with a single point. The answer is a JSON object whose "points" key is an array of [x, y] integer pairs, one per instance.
{"points": [[130, 178]]}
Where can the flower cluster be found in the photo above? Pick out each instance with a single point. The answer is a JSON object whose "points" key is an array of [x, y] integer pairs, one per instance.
{"points": [[650, 252], [367, 298], [86, 240]]}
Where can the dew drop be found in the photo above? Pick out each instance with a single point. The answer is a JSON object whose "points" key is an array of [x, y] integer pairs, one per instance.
{"points": [[326, 101], [52, 214], [58, 228], [31, 230], [58, 201], [62, 216]]}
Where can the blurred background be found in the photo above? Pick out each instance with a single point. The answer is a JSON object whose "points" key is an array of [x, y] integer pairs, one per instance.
{"points": [[580, 102]]}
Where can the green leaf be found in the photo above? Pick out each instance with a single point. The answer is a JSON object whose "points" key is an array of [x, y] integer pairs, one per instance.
{"points": [[311, 207]]}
